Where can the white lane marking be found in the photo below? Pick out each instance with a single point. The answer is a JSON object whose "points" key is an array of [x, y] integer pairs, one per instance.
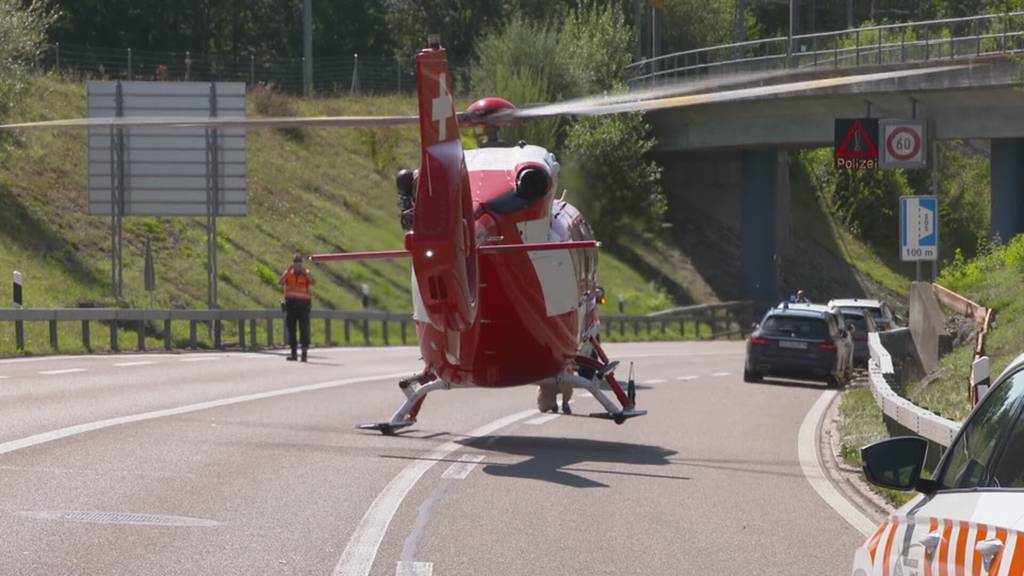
{"points": [[807, 447], [585, 395], [361, 550], [654, 381], [65, 371], [414, 569], [203, 359], [720, 374], [61, 433], [686, 378], [140, 363], [542, 419], [459, 470], [4, 377]]}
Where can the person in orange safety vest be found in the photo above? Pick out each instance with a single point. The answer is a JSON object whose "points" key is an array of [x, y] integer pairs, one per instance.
{"points": [[297, 282]]}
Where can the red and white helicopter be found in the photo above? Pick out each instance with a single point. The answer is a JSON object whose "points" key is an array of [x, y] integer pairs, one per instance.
{"points": [[504, 275], [504, 281]]}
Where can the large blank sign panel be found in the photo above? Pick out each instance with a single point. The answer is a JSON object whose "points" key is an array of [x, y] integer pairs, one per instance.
{"points": [[168, 171]]}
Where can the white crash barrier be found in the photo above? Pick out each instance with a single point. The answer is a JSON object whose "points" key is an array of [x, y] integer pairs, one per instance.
{"points": [[923, 422]]}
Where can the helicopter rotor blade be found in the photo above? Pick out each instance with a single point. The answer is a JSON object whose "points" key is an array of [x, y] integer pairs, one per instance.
{"points": [[221, 122], [644, 102]]}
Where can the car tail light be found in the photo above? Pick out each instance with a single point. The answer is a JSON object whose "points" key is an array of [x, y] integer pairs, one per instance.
{"points": [[758, 341], [827, 346]]}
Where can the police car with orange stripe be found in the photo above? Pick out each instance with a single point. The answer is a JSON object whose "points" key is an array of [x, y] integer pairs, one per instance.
{"points": [[969, 518]]}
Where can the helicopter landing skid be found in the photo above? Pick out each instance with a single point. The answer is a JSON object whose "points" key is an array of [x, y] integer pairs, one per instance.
{"points": [[415, 390], [387, 428], [618, 417]]}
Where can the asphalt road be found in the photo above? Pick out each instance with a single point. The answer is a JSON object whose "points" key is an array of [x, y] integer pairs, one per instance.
{"points": [[227, 464]]}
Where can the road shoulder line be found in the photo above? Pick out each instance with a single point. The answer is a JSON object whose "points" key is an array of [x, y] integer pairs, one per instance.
{"points": [[807, 447]]}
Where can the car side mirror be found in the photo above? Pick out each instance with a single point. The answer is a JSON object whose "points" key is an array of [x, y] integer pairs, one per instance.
{"points": [[895, 463], [754, 326], [981, 378]]}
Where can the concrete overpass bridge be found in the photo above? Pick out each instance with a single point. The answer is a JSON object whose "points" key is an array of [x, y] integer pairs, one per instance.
{"points": [[730, 158]]}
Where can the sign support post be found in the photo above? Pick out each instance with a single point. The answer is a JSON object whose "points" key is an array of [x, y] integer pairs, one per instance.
{"points": [[212, 201], [117, 200]]}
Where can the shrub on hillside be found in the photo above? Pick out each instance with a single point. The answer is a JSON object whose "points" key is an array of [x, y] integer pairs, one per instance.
{"points": [[23, 32]]}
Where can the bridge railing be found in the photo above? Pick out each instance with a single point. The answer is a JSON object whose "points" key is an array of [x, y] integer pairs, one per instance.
{"points": [[910, 42], [116, 329]]}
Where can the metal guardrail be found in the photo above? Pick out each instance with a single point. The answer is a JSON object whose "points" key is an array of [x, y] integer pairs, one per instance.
{"points": [[910, 42], [214, 321], [701, 323], [922, 422]]}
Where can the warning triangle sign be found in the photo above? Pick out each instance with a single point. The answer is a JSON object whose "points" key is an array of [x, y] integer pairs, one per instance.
{"points": [[859, 141]]}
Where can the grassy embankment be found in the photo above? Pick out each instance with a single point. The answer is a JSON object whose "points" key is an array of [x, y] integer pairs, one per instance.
{"points": [[310, 190], [992, 279]]}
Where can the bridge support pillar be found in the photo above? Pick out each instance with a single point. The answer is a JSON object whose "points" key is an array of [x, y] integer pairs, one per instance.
{"points": [[1007, 187], [763, 180]]}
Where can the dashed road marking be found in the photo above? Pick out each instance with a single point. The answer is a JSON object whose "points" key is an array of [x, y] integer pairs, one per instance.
{"points": [[202, 359], [654, 381], [140, 363], [4, 377], [585, 395], [361, 550], [542, 419], [65, 371], [459, 470], [414, 569], [720, 374], [686, 378]]}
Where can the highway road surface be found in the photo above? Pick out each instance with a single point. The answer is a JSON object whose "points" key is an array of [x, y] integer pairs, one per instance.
{"points": [[244, 464]]}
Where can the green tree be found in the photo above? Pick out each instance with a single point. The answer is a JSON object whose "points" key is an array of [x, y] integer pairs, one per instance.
{"points": [[22, 36], [617, 187]]}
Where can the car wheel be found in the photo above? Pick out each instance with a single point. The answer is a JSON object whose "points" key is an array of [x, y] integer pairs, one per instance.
{"points": [[749, 376]]}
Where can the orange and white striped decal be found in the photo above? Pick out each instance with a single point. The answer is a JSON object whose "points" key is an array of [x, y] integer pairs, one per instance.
{"points": [[945, 547], [1013, 558], [887, 548], [875, 540], [1008, 540], [981, 533], [928, 560]]}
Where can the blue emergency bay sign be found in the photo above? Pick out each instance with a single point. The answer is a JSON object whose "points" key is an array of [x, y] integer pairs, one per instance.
{"points": [[919, 228]]}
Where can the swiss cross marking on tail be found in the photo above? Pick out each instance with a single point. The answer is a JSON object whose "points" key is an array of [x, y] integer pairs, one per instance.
{"points": [[442, 108]]}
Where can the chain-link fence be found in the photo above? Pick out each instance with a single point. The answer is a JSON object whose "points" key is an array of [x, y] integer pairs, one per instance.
{"points": [[351, 74]]}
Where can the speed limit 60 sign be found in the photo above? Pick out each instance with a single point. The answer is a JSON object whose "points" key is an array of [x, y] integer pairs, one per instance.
{"points": [[903, 144]]}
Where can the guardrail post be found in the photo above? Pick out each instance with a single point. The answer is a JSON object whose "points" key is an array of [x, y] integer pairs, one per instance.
{"points": [[54, 344], [348, 331], [192, 334], [168, 335], [384, 328], [857, 48], [254, 343], [636, 327], [217, 340], [19, 334], [270, 332], [86, 340], [405, 340], [879, 46], [113, 337], [927, 45], [366, 332], [327, 331], [663, 327], [835, 53], [903, 45], [141, 327], [241, 333], [622, 328]]}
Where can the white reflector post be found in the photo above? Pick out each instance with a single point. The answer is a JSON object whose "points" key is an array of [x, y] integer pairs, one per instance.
{"points": [[18, 301]]}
